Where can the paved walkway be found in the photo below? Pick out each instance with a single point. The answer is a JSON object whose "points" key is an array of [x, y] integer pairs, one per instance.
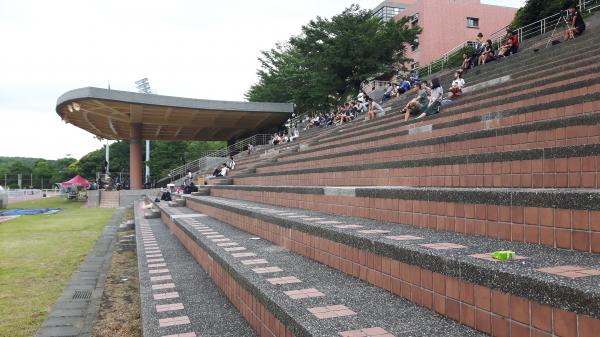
{"points": [[179, 299], [75, 311]]}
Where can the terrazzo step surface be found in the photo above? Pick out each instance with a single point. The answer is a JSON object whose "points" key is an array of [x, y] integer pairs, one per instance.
{"points": [[306, 297], [561, 281], [178, 299]]}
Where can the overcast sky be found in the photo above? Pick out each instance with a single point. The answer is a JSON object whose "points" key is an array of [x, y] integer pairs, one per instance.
{"points": [[200, 49]]}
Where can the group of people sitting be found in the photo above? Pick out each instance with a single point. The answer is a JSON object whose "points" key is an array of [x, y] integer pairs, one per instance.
{"points": [[282, 138], [485, 52], [394, 89], [224, 169]]}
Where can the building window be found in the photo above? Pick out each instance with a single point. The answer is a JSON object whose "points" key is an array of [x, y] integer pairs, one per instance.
{"points": [[473, 22]]}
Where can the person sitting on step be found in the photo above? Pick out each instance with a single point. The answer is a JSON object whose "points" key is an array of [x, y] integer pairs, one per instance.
{"points": [[576, 25], [457, 85], [510, 46], [466, 64], [488, 53], [374, 109], [435, 99], [418, 104]]}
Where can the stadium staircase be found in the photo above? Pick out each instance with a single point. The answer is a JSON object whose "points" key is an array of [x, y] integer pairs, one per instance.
{"points": [[386, 228]]}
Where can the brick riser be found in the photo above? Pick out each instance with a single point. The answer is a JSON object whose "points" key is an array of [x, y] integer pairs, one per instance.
{"points": [[553, 137], [487, 310], [573, 172], [257, 315], [530, 127], [561, 228], [403, 125]]}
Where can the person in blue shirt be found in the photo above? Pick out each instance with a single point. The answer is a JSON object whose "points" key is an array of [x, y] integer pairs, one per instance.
{"points": [[404, 87]]}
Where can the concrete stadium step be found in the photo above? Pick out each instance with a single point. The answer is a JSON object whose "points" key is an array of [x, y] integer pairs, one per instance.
{"points": [[109, 199], [561, 218], [516, 78], [556, 167], [579, 128], [177, 297], [528, 60], [528, 102], [292, 295], [542, 292]]}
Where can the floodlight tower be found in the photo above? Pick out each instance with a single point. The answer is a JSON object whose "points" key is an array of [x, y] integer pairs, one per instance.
{"points": [[143, 86]]}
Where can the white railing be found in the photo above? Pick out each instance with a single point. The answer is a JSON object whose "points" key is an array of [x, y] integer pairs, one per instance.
{"points": [[209, 158], [531, 30]]}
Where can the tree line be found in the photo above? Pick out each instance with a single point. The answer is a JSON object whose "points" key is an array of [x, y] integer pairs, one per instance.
{"points": [[38, 173]]}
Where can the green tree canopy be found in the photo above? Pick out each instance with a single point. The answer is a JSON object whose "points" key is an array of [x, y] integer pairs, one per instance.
{"points": [[535, 10], [330, 58]]}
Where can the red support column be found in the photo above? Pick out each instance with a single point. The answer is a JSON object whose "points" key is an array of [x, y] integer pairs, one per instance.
{"points": [[135, 157]]}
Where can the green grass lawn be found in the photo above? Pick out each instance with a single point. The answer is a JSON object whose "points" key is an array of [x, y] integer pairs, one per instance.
{"points": [[38, 254]]}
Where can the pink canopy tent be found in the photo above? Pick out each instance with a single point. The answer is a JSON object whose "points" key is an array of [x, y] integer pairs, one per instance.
{"points": [[77, 180]]}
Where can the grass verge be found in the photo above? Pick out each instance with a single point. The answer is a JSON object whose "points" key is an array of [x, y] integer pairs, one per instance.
{"points": [[38, 254]]}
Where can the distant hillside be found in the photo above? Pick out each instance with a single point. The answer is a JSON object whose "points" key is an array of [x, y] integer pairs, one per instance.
{"points": [[24, 160]]}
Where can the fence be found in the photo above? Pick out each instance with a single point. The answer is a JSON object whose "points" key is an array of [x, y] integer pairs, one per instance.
{"points": [[207, 159]]}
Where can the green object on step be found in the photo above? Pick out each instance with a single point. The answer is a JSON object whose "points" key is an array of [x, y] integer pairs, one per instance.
{"points": [[503, 255]]}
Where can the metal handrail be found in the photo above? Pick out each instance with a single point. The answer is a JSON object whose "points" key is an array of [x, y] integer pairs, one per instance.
{"points": [[203, 163], [539, 27]]}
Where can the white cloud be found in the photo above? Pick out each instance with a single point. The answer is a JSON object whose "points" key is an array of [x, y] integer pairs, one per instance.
{"points": [[202, 49]]}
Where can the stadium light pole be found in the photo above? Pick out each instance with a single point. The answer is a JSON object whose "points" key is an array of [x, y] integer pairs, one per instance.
{"points": [[143, 86]]}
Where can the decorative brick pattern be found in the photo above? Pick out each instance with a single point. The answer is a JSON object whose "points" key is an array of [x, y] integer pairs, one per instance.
{"points": [[348, 226], [369, 332], [156, 265], [562, 228], [257, 315], [403, 237], [491, 308], [267, 270], [243, 254], [373, 231], [283, 280], [220, 240], [234, 249], [163, 286], [442, 245], [161, 278], [215, 236], [164, 296], [331, 311], [158, 271], [227, 244], [186, 334], [180, 320], [571, 271], [304, 293], [169, 307]]}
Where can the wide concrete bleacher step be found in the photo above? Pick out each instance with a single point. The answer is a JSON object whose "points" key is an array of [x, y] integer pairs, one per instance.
{"points": [[178, 298], [297, 296], [545, 291]]}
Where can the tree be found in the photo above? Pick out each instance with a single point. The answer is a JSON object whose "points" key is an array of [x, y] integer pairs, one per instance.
{"points": [[535, 10], [331, 58]]}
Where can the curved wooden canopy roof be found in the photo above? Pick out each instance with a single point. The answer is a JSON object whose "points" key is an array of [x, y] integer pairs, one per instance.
{"points": [[109, 114]]}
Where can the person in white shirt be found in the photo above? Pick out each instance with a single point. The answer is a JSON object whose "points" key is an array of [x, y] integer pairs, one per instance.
{"points": [[231, 163], [224, 170], [457, 85]]}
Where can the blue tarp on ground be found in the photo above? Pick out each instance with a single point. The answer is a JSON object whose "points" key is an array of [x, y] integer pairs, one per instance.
{"points": [[30, 211]]}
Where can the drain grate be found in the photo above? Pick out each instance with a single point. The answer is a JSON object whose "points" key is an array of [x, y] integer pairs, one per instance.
{"points": [[82, 294]]}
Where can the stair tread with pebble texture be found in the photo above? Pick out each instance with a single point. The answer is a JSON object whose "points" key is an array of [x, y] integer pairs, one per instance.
{"points": [[558, 280], [561, 218], [308, 298], [177, 297]]}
